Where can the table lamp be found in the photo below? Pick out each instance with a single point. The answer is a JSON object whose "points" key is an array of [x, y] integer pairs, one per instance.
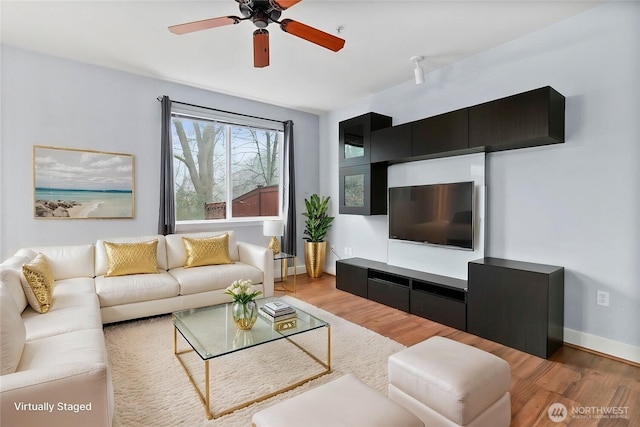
{"points": [[273, 228]]}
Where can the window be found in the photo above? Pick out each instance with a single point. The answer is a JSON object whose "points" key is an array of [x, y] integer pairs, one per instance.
{"points": [[225, 166]]}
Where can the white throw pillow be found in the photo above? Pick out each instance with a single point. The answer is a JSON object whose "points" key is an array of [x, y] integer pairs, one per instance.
{"points": [[12, 332]]}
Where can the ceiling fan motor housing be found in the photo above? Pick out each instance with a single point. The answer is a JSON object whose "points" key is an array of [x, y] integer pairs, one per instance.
{"points": [[261, 12]]}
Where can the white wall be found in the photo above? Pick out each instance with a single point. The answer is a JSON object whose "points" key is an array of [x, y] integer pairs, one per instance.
{"points": [[51, 101], [575, 205]]}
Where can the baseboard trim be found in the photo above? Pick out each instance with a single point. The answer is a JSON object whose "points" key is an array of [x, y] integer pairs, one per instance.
{"points": [[604, 346]]}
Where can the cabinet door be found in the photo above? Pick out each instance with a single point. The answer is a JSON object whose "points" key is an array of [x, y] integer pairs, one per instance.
{"points": [[355, 137], [351, 278], [363, 190], [524, 120], [393, 143], [439, 309], [440, 134], [388, 293], [517, 304], [355, 188]]}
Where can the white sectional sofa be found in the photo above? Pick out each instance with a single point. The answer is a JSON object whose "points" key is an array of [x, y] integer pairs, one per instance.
{"points": [[55, 370]]}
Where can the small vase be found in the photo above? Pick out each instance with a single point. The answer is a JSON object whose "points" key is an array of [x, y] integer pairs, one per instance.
{"points": [[244, 314]]}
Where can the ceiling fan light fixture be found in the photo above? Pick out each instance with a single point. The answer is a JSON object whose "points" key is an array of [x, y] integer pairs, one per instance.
{"points": [[418, 72], [261, 19]]}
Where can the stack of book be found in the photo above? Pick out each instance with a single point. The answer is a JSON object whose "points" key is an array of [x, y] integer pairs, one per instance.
{"points": [[281, 314]]}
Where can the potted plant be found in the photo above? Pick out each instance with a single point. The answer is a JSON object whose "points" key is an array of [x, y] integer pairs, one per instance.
{"points": [[316, 227]]}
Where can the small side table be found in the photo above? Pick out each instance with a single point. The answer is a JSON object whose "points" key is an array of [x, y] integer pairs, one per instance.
{"points": [[284, 270]]}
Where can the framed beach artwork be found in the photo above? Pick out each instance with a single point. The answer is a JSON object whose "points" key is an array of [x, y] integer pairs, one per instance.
{"points": [[74, 184]]}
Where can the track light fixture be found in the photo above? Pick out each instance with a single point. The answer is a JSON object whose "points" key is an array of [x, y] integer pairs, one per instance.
{"points": [[418, 72]]}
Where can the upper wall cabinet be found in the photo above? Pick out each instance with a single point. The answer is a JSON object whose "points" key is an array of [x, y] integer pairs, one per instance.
{"points": [[368, 143], [392, 143], [445, 133], [525, 120], [355, 137]]}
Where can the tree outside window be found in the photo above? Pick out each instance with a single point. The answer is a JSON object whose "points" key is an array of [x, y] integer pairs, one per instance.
{"points": [[225, 170]]}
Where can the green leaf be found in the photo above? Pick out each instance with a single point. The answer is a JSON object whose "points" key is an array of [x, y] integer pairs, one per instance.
{"points": [[318, 222]]}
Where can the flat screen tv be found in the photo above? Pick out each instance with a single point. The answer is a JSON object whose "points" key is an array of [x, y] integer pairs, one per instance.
{"points": [[435, 214]]}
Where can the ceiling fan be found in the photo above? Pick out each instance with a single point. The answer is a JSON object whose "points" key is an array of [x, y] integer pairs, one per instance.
{"points": [[262, 13]]}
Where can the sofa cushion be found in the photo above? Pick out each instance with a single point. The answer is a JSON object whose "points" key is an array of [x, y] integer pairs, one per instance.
{"points": [[131, 258], [177, 256], [101, 256], [12, 332], [86, 346], [69, 261], [68, 313], [207, 251], [11, 276], [38, 283], [135, 288], [79, 285], [213, 277]]}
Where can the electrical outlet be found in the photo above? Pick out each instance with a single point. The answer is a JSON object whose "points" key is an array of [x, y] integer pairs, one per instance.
{"points": [[602, 298]]}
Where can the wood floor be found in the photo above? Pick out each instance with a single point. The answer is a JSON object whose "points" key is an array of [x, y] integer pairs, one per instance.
{"points": [[582, 381]]}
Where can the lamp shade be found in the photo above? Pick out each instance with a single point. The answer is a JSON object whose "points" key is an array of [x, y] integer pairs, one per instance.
{"points": [[273, 227]]}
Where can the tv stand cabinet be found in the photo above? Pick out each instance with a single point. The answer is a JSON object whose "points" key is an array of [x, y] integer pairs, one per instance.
{"points": [[518, 304], [438, 298]]}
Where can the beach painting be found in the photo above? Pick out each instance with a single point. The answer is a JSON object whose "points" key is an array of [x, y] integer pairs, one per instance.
{"points": [[73, 184]]}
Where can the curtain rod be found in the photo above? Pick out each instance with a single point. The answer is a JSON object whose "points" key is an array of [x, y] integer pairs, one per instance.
{"points": [[222, 111]]}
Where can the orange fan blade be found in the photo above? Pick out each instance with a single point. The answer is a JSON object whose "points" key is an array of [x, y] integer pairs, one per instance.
{"points": [[284, 4], [205, 24], [260, 48], [312, 34]]}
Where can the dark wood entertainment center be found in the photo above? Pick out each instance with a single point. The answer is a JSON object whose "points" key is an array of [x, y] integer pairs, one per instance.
{"points": [[439, 298], [518, 304]]}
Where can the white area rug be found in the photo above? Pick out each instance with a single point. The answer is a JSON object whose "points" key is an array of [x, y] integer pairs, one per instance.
{"points": [[152, 389]]}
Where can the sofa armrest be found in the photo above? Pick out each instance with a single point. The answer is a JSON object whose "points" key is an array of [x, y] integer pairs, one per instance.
{"points": [[61, 395], [261, 258]]}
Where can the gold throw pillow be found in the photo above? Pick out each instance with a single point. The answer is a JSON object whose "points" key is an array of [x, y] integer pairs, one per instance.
{"points": [[131, 258], [207, 251], [40, 282]]}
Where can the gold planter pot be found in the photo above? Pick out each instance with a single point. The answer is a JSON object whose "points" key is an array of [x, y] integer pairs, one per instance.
{"points": [[314, 254]]}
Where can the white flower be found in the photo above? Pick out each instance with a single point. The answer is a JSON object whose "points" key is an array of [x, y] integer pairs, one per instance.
{"points": [[242, 290]]}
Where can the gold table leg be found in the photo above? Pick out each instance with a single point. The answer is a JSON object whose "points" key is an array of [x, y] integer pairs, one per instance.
{"points": [[284, 275]]}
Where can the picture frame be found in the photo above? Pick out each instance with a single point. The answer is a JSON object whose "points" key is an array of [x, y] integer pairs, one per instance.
{"points": [[70, 183]]}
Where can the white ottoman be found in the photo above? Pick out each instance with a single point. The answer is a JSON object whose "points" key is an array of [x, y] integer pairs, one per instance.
{"points": [[448, 383], [345, 402]]}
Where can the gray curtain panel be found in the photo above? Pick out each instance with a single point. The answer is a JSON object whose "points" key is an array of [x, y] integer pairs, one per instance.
{"points": [[167, 213], [289, 239]]}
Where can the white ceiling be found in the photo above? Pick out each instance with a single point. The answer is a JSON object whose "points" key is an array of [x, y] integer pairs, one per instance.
{"points": [[380, 37]]}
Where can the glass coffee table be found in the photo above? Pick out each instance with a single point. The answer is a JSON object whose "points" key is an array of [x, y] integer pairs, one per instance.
{"points": [[210, 332]]}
